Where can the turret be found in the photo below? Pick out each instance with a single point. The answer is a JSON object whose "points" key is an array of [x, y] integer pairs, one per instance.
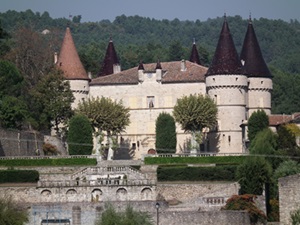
{"points": [[111, 64], [226, 84], [259, 76], [195, 55], [73, 70]]}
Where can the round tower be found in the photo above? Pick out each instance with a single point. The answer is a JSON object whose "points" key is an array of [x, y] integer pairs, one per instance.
{"points": [[73, 70], [259, 76], [227, 85]]}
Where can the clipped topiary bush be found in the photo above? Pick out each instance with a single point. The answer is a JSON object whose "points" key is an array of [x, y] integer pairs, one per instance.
{"points": [[165, 134], [80, 136]]}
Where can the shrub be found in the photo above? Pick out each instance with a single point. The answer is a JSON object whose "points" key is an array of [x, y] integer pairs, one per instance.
{"points": [[19, 176], [80, 136], [184, 173], [253, 174], [165, 134], [258, 121], [50, 149], [246, 202]]}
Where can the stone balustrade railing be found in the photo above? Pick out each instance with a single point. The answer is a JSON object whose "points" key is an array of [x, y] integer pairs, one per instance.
{"points": [[207, 154], [48, 157], [98, 182]]}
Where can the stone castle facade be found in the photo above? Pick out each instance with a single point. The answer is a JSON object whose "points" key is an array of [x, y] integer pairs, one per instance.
{"points": [[239, 84]]}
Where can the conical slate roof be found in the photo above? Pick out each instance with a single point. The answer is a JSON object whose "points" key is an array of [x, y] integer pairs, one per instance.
{"points": [[226, 59], [251, 57], [69, 61], [109, 61], [195, 55]]}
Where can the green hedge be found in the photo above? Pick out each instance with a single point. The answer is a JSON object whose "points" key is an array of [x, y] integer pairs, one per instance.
{"points": [[184, 173], [19, 176], [196, 160], [48, 162]]}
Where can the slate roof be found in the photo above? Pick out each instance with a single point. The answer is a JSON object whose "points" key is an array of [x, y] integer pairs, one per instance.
{"points": [[254, 64], [110, 59], [69, 61], [195, 55], [171, 74], [226, 59]]}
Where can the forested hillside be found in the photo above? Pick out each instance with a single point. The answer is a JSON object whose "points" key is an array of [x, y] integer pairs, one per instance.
{"points": [[138, 38]]}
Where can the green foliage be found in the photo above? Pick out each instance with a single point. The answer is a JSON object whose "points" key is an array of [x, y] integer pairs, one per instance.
{"points": [[295, 217], [19, 176], [13, 112], [287, 142], [11, 80], [195, 160], [264, 143], [253, 174], [184, 173], [11, 212], [165, 131], [246, 202], [105, 114], [285, 100], [48, 162], [80, 136], [256, 123], [52, 99], [273, 216], [286, 168], [195, 112], [130, 217]]}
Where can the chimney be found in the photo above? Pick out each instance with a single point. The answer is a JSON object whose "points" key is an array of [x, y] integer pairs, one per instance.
{"points": [[183, 65], [158, 71], [116, 68], [90, 74]]}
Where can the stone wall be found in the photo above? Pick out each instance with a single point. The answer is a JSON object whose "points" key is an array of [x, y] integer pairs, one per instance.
{"points": [[86, 214], [20, 143], [289, 197]]}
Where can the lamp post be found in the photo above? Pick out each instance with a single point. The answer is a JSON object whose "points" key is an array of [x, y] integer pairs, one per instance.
{"points": [[157, 215]]}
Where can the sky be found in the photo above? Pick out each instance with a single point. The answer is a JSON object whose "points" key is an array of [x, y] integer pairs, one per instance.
{"points": [[97, 10]]}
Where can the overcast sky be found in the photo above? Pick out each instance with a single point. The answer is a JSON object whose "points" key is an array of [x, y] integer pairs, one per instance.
{"points": [[96, 10]]}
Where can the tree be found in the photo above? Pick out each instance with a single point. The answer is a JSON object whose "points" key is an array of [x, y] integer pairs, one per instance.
{"points": [[130, 217], [253, 174], [195, 112], [258, 121], [165, 134], [11, 213], [264, 143], [176, 51], [13, 112], [80, 135], [11, 80], [51, 101], [287, 141], [246, 202], [286, 168], [105, 115]]}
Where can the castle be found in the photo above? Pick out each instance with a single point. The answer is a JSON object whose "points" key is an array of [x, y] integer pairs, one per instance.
{"points": [[239, 85]]}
